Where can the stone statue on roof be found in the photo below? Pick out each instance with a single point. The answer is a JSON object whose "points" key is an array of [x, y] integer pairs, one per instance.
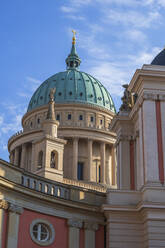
{"points": [[126, 99], [51, 94]]}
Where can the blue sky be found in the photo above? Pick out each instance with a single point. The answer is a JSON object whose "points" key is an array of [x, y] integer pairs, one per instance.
{"points": [[114, 38]]}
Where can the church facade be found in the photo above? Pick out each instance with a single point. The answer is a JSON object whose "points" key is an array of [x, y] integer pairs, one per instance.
{"points": [[82, 176]]}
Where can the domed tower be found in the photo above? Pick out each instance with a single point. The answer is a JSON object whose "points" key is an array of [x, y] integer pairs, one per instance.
{"points": [[83, 113]]}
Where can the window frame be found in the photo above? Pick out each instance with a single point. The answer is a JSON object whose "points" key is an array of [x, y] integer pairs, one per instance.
{"points": [[50, 229]]}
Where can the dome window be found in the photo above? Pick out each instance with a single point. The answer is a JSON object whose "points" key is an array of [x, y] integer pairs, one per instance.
{"points": [[95, 82], [81, 93], [80, 117], [41, 97], [71, 78], [79, 79], [91, 95], [54, 80], [69, 116], [70, 93], [62, 78], [107, 102], [59, 93], [87, 80], [99, 98]]}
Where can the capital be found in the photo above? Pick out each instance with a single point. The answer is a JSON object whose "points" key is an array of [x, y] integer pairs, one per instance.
{"points": [[15, 209], [91, 226], [75, 223], [4, 204]]}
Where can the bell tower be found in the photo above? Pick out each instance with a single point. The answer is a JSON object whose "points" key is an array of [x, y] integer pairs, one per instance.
{"points": [[48, 150]]}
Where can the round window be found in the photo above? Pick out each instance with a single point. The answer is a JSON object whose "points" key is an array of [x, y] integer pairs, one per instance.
{"points": [[42, 232]]}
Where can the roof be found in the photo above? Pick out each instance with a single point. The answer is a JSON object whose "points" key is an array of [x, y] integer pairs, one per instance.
{"points": [[72, 86], [159, 59]]}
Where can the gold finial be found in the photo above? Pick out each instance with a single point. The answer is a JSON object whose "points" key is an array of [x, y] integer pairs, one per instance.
{"points": [[74, 37]]}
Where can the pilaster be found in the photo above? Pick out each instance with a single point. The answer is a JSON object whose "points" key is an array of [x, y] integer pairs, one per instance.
{"points": [[103, 163], [23, 155], [16, 157], [75, 158], [13, 225], [3, 206], [90, 143], [74, 232], [90, 229]]}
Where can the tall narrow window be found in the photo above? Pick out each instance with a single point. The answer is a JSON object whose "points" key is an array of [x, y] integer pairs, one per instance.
{"points": [[98, 171], [58, 117], [80, 171], [69, 116], [40, 160], [54, 159]]}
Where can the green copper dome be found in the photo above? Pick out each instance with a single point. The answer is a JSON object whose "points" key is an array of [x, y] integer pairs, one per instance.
{"points": [[72, 86]]}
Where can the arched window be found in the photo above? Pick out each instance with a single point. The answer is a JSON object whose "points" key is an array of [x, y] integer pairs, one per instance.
{"points": [[53, 159], [40, 160]]}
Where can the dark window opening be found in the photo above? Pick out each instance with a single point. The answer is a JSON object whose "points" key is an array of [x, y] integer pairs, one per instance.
{"points": [[58, 117], [71, 64], [69, 116], [101, 122], [70, 93], [40, 160], [81, 93], [80, 171], [53, 160], [59, 93], [92, 119], [80, 117]]}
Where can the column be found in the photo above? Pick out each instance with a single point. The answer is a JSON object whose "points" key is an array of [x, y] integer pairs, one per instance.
{"points": [[75, 158], [89, 173], [90, 229], [34, 159], [16, 157], [23, 154], [74, 229], [3, 206], [103, 162], [12, 157], [13, 225], [113, 172]]}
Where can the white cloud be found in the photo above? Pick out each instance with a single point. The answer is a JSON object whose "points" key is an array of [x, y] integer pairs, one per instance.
{"points": [[67, 9], [144, 57], [132, 18], [161, 2], [13, 126], [112, 76], [33, 80], [1, 120], [120, 2], [135, 35]]}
